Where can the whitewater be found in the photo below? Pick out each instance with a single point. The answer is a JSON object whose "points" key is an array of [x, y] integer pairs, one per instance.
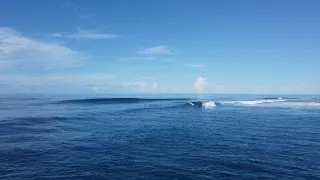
{"points": [[288, 102], [267, 102]]}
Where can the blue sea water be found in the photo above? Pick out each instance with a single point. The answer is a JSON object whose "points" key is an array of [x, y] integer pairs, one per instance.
{"points": [[159, 137]]}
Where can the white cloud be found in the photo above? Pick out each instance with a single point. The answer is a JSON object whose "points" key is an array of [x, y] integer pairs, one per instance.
{"points": [[200, 84], [19, 50], [155, 85], [157, 50], [92, 36], [85, 34], [196, 65], [138, 58]]}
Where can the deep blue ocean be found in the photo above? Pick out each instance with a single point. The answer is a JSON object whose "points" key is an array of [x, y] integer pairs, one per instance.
{"points": [[159, 137]]}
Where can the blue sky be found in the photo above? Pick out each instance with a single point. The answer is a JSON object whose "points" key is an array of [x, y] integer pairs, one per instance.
{"points": [[203, 46]]}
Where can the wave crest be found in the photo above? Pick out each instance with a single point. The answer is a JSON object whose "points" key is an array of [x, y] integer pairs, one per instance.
{"points": [[254, 102], [279, 102], [202, 104]]}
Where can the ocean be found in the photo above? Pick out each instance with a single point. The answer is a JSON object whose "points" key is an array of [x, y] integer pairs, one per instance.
{"points": [[159, 136]]}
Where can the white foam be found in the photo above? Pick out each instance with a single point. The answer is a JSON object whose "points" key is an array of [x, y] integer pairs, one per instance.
{"points": [[272, 100], [250, 102], [209, 104], [273, 103], [254, 102], [298, 104]]}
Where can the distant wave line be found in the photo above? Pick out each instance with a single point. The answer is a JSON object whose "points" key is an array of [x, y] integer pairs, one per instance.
{"points": [[116, 100]]}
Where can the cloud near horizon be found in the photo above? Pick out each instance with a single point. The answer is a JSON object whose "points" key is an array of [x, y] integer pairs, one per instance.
{"points": [[133, 87], [200, 84], [155, 85]]}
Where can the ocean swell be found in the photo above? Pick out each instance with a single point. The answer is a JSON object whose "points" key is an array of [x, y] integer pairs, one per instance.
{"points": [[116, 100]]}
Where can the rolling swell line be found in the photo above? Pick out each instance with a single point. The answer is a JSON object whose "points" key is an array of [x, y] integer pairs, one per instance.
{"points": [[115, 100]]}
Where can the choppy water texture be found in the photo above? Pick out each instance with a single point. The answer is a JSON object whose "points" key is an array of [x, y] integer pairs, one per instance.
{"points": [[159, 137]]}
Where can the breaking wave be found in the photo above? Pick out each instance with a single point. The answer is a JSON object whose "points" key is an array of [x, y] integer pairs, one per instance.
{"points": [[253, 102], [277, 102], [200, 104], [263, 102], [186, 102]]}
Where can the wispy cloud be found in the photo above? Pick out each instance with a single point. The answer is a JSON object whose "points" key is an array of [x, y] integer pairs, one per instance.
{"points": [[138, 83], [196, 65], [157, 50], [85, 34], [132, 87], [83, 15], [146, 77], [72, 6], [138, 58], [171, 60], [97, 82], [56, 35], [19, 50], [66, 79]]}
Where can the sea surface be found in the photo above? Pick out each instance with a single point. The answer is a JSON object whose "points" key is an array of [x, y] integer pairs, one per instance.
{"points": [[159, 137]]}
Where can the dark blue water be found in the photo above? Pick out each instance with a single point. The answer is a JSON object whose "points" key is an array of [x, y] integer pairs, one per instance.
{"points": [[159, 137]]}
